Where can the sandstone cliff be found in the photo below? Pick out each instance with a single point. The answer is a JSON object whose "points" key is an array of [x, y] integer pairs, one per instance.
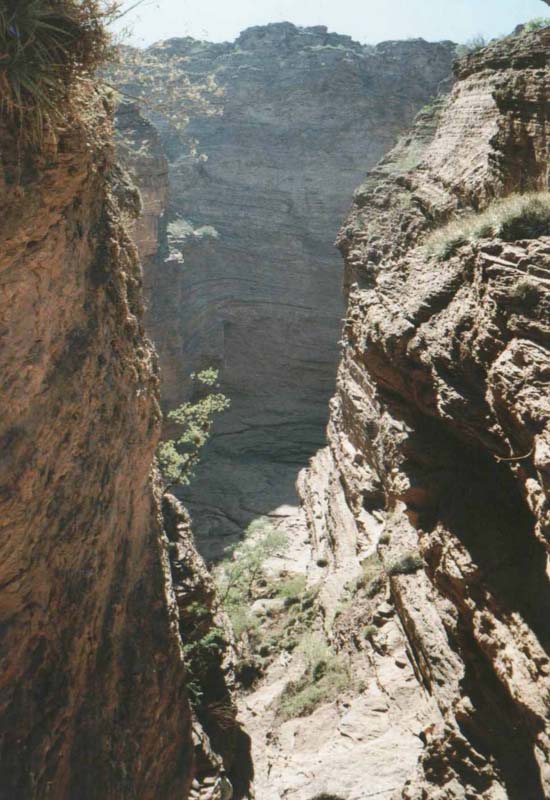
{"points": [[247, 278], [439, 437], [93, 699]]}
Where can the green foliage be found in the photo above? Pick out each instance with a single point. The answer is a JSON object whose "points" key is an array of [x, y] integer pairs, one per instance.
{"points": [[45, 45], [372, 579], [159, 80], [325, 679], [237, 575], [525, 216], [406, 564], [198, 656], [474, 44], [178, 458], [369, 632], [292, 588], [536, 24]]}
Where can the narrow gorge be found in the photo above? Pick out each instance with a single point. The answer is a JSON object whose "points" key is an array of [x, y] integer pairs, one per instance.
{"points": [[246, 277], [368, 614]]}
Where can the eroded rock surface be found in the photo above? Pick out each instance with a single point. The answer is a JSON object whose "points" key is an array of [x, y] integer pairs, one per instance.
{"points": [[439, 430], [94, 699], [248, 280]]}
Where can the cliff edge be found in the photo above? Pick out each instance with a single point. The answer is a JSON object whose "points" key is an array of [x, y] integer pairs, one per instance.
{"points": [[439, 437]]}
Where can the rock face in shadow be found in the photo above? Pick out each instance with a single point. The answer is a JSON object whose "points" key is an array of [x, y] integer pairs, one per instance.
{"points": [[439, 436], [93, 698], [247, 279]]}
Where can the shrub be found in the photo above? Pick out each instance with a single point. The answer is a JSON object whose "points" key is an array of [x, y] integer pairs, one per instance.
{"points": [[474, 44], [406, 564], [372, 580], [527, 292], [292, 589], [536, 24], [369, 632], [178, 458], [525, 216], [45, 46], [237, 575], [325, 678], [375, 585], [158, 78], [198, 656]]}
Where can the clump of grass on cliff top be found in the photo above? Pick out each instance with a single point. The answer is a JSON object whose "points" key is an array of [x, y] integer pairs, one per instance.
{"points": [[45, 45], [525, 216], [536, 24]]}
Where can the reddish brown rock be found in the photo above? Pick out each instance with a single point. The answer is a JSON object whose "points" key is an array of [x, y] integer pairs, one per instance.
{"points": [[92, 688]]}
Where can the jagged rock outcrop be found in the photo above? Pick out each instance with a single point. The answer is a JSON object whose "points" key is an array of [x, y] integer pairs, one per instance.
{"points": [[93, 687], [247, 278], [440, 428], [223, 765]]}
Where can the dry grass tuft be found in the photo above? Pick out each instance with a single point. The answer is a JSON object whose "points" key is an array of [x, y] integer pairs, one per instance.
{"points": [[45, 45], [519, 216]]}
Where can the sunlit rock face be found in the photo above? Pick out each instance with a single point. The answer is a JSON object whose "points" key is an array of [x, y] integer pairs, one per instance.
{"points": [[247, 278], [439, 431]]}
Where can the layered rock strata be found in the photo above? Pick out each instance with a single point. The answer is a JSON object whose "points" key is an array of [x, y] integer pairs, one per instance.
{"points": [[247, 278], [439, 436], [93, 686]]}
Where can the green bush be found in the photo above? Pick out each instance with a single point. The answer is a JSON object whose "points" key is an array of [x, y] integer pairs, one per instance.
{"points": [[371, 580], [198, 657], [536, 24], [178, 458], [45, 45], [237, 575], [525, 216], [292, 588], [474, 44], [406, 564], [325, 678]]}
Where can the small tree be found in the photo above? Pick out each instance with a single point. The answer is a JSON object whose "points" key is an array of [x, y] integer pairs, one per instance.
{"points": [[474, 44], [178, 458]]}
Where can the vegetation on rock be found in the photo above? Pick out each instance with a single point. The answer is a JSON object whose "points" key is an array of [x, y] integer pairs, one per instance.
{"points": [[237, 575], [45, 46], [536, 24], [326, 677], [159, 80], [519, 216], [406, 564], [179, 457], [471, 46]]}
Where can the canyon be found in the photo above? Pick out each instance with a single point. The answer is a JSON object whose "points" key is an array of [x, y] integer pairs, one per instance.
{"points": [[246, 277]]}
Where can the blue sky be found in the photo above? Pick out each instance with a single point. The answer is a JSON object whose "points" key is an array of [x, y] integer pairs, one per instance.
{"points": [[366, 20]]}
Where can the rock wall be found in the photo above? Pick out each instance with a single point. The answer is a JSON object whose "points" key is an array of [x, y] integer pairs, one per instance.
{"points": [[247, 278], [93, 687], [440, 429]]}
